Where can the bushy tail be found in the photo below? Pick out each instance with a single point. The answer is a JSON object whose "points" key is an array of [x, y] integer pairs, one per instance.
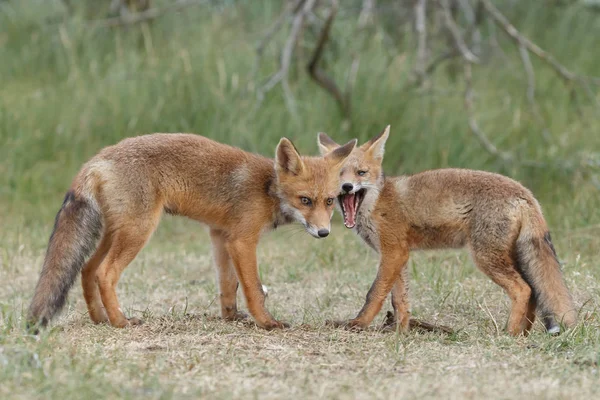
{"points": [[540, 267], [77, 228]]}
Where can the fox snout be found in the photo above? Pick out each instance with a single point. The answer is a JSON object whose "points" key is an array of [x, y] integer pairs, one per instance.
{"points": [[317, 232], [347, 187]]}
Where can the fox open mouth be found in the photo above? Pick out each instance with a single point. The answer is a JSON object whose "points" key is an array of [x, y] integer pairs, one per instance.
{"points": [[350, 204]]}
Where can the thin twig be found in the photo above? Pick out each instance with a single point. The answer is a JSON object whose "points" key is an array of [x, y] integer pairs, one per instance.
{"points": [[485, 142], [474, 21], [529, 71], [317, 73], [489, 313], [152, 13], [276, 27], [286, 57], [366, 13], [566, 75], [273, 29], [421, 29], [456, 34]]}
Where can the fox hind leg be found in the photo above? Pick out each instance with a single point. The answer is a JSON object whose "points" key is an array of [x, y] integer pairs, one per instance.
{"points": [[89, 282], [500, 267], [400, 301], [126, 244], [226, 276]]}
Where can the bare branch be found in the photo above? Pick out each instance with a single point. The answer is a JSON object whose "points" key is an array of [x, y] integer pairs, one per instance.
{"points": [[459, 42], [421, 29], [276, 27], [366, 13], [521, 40], [474, 22], [317, 73], [149, 14], [302, 10], [529, 71], [485, 142]]}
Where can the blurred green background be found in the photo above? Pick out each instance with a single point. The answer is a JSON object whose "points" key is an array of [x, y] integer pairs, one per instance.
{"points": [[69, 85]]}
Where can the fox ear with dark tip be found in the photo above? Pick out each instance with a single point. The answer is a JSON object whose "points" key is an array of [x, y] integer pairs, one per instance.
{"points": [[287, 158], [326, 144], [376, 146], [339, 155]]}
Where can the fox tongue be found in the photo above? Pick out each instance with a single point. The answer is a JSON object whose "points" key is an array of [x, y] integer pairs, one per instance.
{"points": [[349, 211]]}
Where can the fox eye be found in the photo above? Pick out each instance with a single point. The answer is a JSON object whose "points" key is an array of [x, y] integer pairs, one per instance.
{"points": [[361, 173], [306, 201], [329, 201]]}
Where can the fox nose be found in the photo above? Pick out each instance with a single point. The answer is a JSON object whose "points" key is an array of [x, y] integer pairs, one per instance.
{"points": [[347, 187], [323, 232]]}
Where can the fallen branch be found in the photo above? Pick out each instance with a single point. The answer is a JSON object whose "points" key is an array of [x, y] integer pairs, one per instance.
{"points": [[318, 74], [389, 324]]}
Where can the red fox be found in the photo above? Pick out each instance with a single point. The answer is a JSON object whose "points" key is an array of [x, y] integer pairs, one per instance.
{"points": [[116, 201], [497, 218]]}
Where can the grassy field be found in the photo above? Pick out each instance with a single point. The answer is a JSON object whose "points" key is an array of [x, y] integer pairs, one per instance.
{"points": [[67, 90], [183, 351]]}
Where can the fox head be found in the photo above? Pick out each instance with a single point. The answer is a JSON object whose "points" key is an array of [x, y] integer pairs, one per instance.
{"points": [[361, 176], [307, 186]]}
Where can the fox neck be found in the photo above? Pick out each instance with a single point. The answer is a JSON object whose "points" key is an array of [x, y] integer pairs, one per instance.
{"points": [[283, 214], [370, 201]]}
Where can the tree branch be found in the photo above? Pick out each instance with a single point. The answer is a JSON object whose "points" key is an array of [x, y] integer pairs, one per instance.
{"points": [[456, 34], [317, 73], [519, 39], [152, 13]]}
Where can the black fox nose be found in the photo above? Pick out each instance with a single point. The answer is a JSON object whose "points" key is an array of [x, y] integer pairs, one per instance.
{"points": [[323, 232], [347, 187]]}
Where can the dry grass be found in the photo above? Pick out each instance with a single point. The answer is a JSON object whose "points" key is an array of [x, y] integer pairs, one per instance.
{"points": [[183, 350]]}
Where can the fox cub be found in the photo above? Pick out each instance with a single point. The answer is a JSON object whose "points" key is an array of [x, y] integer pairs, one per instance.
{"points": [[118, 197], [495, 217]]}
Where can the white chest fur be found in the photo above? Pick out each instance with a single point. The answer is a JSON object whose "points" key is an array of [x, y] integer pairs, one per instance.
{"points": [[365, 226]]}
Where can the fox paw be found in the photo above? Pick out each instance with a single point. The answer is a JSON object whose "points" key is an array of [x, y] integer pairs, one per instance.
{"points": [[133, 321], [349, 324], [274, 324], [237, 316]]}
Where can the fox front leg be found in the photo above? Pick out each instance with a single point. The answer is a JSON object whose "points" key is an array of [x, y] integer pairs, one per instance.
{"points": [[243, 255], [390, 271]]}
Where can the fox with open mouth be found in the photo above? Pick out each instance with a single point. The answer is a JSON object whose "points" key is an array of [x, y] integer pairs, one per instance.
{"points": [[495, 217]]}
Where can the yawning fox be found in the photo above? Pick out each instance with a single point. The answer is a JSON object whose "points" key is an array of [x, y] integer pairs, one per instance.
{"points": [[495, 217]]}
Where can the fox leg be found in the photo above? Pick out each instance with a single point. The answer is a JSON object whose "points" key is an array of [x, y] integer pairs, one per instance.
{"points": [[126, 244], [228, 281], [501, 269], [243, 255], [89, 282], [400, 302], [531, 306], [390, 271]]}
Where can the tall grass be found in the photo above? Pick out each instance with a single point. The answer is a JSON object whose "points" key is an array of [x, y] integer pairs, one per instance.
{"points": [[68, 89]]}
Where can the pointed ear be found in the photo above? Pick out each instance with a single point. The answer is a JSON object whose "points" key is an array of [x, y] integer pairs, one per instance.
{"points": [[376, 146], [339, 155], [326, 144], [287, 157]]}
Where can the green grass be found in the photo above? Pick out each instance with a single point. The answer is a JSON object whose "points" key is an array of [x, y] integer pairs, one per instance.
{"points": [[67, 90]]}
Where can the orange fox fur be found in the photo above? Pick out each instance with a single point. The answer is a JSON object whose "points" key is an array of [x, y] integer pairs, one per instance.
{"points": [[118, 197], [495, 217]]}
